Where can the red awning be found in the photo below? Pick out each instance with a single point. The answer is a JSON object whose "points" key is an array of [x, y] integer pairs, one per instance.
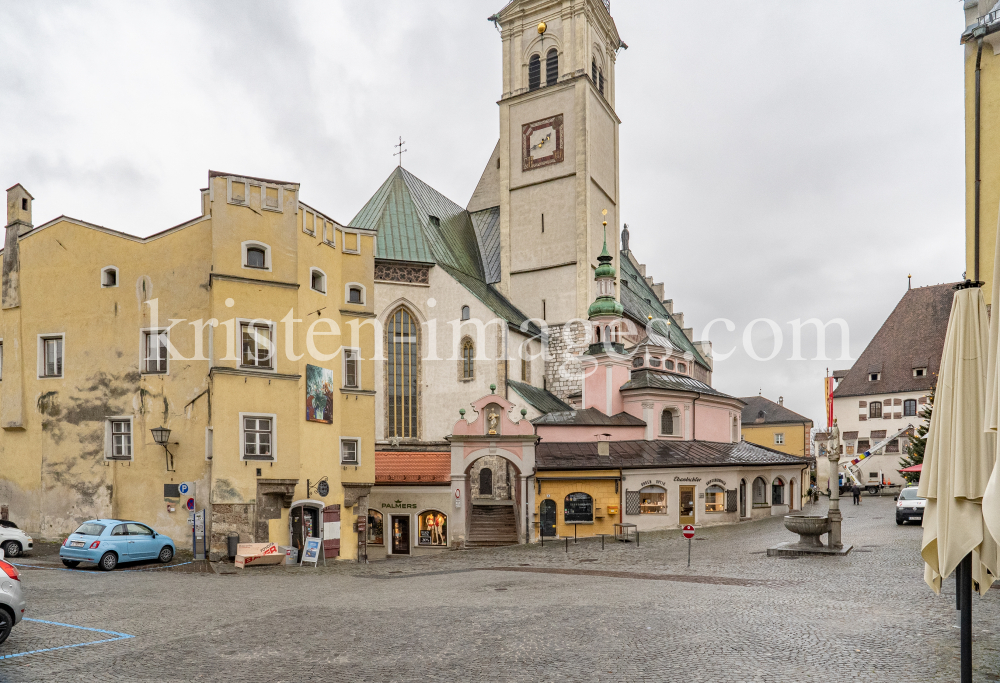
{"points": [[915, 468]]}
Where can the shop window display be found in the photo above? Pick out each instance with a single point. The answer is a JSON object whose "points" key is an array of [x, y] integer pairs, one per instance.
{"points": [[375, 528], [579, 507], [715, 499], [433, 527], [652, 500]]}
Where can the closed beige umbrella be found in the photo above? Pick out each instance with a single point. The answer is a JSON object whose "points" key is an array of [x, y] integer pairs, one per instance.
{"points": [[991, 497], [960, 452]]}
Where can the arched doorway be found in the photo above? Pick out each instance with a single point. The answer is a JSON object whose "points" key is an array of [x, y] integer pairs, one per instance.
{"points": [[547, 516], [791, 495], [494, 497], [485, 482], [303, 523]]}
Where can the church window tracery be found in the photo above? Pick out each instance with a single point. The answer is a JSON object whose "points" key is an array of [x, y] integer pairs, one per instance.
{"points": [[468, 358], [402, 370]]}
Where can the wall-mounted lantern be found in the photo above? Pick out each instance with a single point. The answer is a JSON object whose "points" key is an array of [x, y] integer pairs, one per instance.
{"points": [[161, 435]]}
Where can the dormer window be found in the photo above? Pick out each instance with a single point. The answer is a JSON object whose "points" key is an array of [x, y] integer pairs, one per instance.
{"points": [[654, 362], [874, 376], [682, 367], [435, 221], [109, 277], [637, 362], [669, 365], [919, 372]]}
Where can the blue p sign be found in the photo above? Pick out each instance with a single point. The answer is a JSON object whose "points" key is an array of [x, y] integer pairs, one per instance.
{"points": [[183, 488]]}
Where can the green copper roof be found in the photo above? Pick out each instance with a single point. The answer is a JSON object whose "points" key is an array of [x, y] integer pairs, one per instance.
{"points": [[415, 222], [605, 269], [540, 399], [640, 302], [605, 305]]}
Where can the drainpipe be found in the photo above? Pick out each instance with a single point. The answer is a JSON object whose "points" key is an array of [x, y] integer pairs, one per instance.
{"points": [[979, 59], [694, 418]]}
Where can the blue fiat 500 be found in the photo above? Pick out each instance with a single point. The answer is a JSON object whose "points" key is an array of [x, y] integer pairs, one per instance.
{"points": [[107, 542]]}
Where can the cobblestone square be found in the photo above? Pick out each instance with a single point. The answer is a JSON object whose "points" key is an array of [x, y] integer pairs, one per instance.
{"points": [[534, 613]]}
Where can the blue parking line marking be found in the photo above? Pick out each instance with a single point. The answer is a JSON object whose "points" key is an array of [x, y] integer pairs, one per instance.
{"points": [[117, 636]]}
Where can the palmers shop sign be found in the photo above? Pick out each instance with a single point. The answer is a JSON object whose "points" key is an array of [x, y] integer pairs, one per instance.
{"points": [[399, 505]]}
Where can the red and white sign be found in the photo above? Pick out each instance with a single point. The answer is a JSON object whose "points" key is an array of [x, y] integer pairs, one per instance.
{"points": [[688, 531]]}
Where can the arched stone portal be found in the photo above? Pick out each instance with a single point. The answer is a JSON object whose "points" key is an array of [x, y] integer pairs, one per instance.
{"points": [[492, 459]]}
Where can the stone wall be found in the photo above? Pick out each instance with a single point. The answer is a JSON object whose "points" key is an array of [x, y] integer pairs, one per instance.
{"points": [[226, 519], [563, 370], [503, 478]]}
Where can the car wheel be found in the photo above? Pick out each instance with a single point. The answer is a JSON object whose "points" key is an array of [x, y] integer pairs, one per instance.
{"points": [[71, 563], [166, 554], [6, 623], [899, 521], [11, 549], [108, 561]]}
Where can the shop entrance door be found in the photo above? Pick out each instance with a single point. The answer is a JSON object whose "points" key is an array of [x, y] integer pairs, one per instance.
{"points": [[400, 535], [548, 517], [687, 505], [305, 524]]}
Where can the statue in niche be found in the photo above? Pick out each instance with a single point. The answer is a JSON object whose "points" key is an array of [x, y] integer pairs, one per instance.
{"points": [[492, 419]]}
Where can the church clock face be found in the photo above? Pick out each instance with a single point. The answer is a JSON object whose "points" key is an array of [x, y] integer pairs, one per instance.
{"points": [[542, 143]]}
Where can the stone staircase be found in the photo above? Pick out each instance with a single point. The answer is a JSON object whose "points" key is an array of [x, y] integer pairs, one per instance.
{"points": [[491, 526]]}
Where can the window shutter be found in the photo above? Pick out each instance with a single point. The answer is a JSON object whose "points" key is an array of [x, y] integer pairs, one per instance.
{"points": [[862, 404], [731, 500], [331, 540], [632, 502]]}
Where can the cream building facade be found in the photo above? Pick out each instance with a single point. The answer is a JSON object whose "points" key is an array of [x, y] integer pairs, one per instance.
{"points": [[216, 329]]}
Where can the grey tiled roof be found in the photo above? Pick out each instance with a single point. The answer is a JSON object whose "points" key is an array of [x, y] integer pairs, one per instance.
{"points": [[652, 379], [540, 399], [589, 416], [772, 412], [640, 302], [650, 454], [487, 226]]}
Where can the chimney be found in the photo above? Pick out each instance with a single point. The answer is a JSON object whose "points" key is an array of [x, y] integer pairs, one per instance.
{"points": [[18, 223], [19, 208], [781, 400]]}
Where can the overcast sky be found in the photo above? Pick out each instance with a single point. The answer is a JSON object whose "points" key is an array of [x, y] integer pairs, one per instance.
{"points": [[779, 160]]}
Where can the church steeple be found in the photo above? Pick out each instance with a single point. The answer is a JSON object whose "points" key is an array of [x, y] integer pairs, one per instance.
{"points": [[605, 304]]}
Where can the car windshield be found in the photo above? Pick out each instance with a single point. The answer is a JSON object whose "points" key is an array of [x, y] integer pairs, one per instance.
{"points": [[90, 529], [909, 494]]}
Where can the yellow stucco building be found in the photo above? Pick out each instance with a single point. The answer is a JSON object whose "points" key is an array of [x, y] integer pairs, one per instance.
{"points": [[981, 42], [774, 426], [246, 331], [556, 508]]}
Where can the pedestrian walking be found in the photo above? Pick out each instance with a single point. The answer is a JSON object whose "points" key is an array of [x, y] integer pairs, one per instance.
{"points": [[856, 492]]}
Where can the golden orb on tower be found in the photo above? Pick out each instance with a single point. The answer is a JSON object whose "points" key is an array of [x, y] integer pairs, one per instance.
{"points": [[541, 28]]}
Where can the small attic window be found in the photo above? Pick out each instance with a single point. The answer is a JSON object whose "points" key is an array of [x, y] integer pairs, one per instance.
{"points": [[874, 376], [109, 277], [919, 372], [24, 200], [681, 367], [436, 221]]}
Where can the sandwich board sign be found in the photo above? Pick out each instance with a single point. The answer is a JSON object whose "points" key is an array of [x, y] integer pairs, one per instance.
{"points": [[311, 551]]}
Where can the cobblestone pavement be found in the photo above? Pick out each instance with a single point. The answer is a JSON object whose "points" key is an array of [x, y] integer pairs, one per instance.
{"points": [[626, 613]]}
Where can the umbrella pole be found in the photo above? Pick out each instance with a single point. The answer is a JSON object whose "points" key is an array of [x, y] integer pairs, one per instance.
{"points": [[965, 591]]}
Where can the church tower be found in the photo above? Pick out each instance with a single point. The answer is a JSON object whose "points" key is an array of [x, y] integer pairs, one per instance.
{"points": [[557, 158]]}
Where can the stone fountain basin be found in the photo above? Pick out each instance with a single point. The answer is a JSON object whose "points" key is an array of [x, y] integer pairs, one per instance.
{"points": [[807, 525]]}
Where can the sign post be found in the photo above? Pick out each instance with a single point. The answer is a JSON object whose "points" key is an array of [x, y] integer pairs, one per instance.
{"points": [[186, 489], [688, 534]]}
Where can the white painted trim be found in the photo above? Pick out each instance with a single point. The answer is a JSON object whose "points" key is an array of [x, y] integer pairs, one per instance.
{"points": [[308, 217], [274, 436], [117, 277], [273, 331], [142, 349], [108, 449], [263, 198], [325, 280], [347, 293], [343, 367], [357, 452], [343, 239], [41, 354], [246, 191], [254, 243]]}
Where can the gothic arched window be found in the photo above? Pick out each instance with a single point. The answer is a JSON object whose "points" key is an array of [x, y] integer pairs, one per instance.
{"points": [[552, 67], [593, 70], [468, 359], [534, 73], [402, 372]]}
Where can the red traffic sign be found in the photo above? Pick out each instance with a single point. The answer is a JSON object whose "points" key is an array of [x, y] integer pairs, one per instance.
{"points": [[688, 531]]}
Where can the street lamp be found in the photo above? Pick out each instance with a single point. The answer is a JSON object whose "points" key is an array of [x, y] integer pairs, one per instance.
{"points": [[161, 435]]}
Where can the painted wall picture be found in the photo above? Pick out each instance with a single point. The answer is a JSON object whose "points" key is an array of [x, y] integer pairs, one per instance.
{"points": [[319, 394]]}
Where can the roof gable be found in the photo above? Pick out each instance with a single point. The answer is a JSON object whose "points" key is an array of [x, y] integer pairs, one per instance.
{"points": [[913, 334], [773, 413]]}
